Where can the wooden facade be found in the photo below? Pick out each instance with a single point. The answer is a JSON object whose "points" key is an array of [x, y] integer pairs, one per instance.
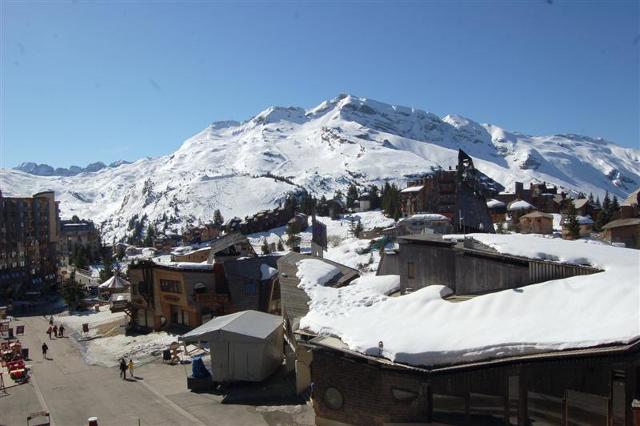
{"points": [[470, 268], [594, 386]]}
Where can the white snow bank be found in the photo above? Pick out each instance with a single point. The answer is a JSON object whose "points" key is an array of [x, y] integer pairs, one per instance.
{"points": [[107, 351], [73, 321], [421, 328]]}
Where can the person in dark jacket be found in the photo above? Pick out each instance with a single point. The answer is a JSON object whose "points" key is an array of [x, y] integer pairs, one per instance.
{"points": [[123, 368], [61, 330], [45, 348]]}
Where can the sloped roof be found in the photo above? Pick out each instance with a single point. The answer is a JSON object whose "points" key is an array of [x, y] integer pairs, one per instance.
{"points": [[580, 202], [247, 323], [536, 214], [622, 222]]}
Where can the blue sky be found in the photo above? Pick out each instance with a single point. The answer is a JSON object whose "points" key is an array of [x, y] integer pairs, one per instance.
{"points": [[86, 81]]}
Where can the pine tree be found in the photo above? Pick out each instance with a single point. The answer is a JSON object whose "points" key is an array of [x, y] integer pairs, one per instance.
{"points": [[280, 245], [150, 237], [352, 195], [217, 218], [72, 292], [604, 216], [293, 239], [591, 197], [571, 222], [265, 246], [339, 196], [374, 194], [107, 267], [615, 206]]}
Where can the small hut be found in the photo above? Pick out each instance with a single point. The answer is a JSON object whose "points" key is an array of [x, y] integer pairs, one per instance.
{"points": [[245, 346], [536, 223]]}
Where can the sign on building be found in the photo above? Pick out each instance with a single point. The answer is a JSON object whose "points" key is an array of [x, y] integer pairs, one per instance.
{"points": [[319, 233]]}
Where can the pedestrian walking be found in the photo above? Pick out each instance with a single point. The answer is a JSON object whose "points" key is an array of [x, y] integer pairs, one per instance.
{"points": [[45, 348], [61, 330], [49, 330], [123, 368], [51, 320], [130, 365], [55, 331]]}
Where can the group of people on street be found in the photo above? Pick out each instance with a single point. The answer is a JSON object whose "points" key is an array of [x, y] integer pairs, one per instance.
{"points": [[124, 366], [54, 329]]}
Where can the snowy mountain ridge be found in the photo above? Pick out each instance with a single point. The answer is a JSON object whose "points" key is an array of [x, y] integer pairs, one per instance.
{"points": [[47, 170], [241, 168]]}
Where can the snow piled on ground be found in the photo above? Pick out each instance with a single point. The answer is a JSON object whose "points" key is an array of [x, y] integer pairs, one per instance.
{"points": [[106, 343], [142, 349], [423, 329]]}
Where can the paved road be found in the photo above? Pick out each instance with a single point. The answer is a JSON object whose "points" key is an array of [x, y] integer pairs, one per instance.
{"points": [[73, 391]]}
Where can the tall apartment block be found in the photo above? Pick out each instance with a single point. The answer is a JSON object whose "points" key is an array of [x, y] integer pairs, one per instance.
{"points": [[29, 234]]}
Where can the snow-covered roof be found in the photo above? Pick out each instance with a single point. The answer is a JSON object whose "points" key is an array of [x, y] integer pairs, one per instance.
{"points": [[426, 217], [544, 317], [493, 203], [416, 188], [519, 205], [247, 323], [189, 265], [584, 220], [266, 271]]}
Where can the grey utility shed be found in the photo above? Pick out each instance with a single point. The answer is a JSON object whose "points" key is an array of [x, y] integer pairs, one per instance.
{"points": [[245, 346]]}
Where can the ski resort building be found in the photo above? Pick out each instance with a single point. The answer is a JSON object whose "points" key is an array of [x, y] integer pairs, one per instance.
{"points": [[523, 355], [184, 294], [79, 234], [461, 195], [29, 237]]}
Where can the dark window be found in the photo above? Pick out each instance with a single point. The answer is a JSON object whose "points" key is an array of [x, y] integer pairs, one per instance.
{"points": [[585, 408], [449, 409], [411, 270], [170, 286], [544, 410]]}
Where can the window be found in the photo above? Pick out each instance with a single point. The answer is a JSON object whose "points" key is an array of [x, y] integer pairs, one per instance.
{"points": [[333, 398], [585, 408], [544, 410], [170, 286], [411, 270]]}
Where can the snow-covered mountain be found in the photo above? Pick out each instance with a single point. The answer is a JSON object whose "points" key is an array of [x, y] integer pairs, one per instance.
{"points": [[47, 170], [241, 168]]}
